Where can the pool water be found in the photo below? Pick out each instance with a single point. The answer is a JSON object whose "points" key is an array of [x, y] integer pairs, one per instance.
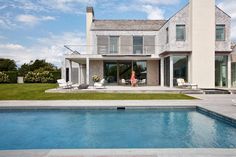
{"points": [[57, 129]]}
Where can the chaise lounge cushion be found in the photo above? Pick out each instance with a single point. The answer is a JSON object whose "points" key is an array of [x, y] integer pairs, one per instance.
{"points": [[83, 86]]}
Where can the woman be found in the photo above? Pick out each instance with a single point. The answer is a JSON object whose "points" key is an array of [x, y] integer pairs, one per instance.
{"points": [[133, 80]]}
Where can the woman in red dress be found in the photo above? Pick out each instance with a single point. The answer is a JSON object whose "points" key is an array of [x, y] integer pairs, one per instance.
{"points": [[133, 80]]}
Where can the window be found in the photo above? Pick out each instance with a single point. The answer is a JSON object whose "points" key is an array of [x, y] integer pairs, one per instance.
{"points": [[180, 68], [114, 44], [167, 35], [137, 44], [221, 71], [220, 32], [180, 32]]}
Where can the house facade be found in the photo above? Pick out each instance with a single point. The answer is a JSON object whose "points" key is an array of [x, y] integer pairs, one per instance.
{"points": [[193, 44]]}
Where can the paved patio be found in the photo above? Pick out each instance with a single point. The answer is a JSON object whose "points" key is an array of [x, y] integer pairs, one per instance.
{"points": [[127, 89], [222, 104]]}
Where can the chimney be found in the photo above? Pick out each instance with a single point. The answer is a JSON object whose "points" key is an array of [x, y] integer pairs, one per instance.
{"points": [[89, 21], [202, 29]]}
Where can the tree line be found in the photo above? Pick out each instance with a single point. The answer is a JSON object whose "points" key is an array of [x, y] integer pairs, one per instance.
{"points": [[37, 71]]}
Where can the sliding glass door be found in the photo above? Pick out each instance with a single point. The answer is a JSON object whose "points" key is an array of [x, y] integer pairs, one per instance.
{"points": [[180, 68], [114, 71], [221, 70], [125, 68], [110, 72]]}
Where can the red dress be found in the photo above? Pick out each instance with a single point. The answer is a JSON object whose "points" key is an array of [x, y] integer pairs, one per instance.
{"points": [[132, 79]]}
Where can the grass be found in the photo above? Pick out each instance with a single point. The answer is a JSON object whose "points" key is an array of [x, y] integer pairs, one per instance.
{"points": [[36, 92]]}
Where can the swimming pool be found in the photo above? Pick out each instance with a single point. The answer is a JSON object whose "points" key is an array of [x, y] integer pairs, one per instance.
{"points": [[138, 128]]}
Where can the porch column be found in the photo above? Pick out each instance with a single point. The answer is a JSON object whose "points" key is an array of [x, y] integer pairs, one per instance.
{"points": [[87, 70], [162, 72], [189, 69], [171, 71], [79, 71], [63, 70], [70, 70], [229, 71]]}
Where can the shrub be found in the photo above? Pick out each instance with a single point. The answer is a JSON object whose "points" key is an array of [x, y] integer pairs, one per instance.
{"points": [[56, 75], [39, 77], [12, 76], [4, 78]]}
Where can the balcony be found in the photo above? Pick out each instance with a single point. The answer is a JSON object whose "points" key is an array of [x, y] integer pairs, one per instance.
{"points": [[110, 50]]}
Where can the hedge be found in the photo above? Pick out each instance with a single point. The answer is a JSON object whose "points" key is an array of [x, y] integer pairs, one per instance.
{"points": [[56, 75], [12, 75]]}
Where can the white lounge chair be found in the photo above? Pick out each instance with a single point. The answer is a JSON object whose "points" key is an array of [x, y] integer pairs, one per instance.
{"points": [[100, 84], [123, 82], [182, 83], [142, 82], [63, 84]]}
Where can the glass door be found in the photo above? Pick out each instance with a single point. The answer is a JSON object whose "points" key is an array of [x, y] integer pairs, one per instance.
{"points": [[125, 68], [110, 72]]}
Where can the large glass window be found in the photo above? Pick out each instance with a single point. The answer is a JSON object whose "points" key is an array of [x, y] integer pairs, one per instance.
{"points": [[115, 71], [221, 69], [125, 68], [114, 44], [220, 32], [233, 74], [140, 68], [110, 72], [180, 32], [180, 68], [167, 71], [137, 44]]}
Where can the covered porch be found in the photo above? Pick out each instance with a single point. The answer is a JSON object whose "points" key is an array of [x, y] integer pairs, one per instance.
{"points": [[113, 68]]}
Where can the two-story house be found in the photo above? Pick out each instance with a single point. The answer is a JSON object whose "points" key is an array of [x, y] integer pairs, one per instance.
{"points": [[193, 44]]}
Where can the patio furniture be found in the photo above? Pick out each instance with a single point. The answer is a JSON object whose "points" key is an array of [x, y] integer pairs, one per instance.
{"points": [[100, 84], [142, 82], [182, 83], [83, 86], [123, 82], [63, 84]]}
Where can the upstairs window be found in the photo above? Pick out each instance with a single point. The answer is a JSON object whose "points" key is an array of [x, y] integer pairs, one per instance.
{"points": [[220, 32], [114, 44], [180, 33], [167, 35], [137, 44]]}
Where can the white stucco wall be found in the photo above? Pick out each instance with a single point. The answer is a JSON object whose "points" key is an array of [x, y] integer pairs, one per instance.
{"points": [[203, 42]]}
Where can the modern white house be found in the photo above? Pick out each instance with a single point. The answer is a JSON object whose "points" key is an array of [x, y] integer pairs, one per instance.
{"points": [[194, 44]]}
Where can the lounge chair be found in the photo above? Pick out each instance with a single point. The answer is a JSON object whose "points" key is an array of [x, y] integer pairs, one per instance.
{"points": [[100, 84], [182, 83], [63, 84], [123, 82], [142, 82]]}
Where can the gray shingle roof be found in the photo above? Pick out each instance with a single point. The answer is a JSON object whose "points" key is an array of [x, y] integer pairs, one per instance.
{"points": [[127, 25]]}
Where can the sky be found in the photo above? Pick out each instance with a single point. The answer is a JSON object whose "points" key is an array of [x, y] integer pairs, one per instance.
{"points": [[38, 29]]}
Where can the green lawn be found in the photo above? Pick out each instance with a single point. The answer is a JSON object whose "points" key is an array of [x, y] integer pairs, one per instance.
{"points": [[36, 92]]}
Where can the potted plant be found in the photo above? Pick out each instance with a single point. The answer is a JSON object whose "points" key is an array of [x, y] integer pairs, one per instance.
{"points": [[96, 78]]}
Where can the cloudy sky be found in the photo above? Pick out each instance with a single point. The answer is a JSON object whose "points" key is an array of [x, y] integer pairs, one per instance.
{"points": [[31, 29]]}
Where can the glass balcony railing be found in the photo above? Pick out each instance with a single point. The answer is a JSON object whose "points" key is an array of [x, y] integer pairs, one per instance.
{"points": [[105, 49]]}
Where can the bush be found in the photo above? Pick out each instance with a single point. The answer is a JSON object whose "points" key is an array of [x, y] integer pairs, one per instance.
{"points": [[39, 77], [4, 78], [56, 75], [12, 76]]}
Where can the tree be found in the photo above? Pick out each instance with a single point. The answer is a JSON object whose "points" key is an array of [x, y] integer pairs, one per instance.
{"points": [[7, 65], [37, 65]]}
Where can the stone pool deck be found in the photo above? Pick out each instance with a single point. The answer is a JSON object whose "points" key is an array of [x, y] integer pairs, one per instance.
{"points": [[221, 104]]}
